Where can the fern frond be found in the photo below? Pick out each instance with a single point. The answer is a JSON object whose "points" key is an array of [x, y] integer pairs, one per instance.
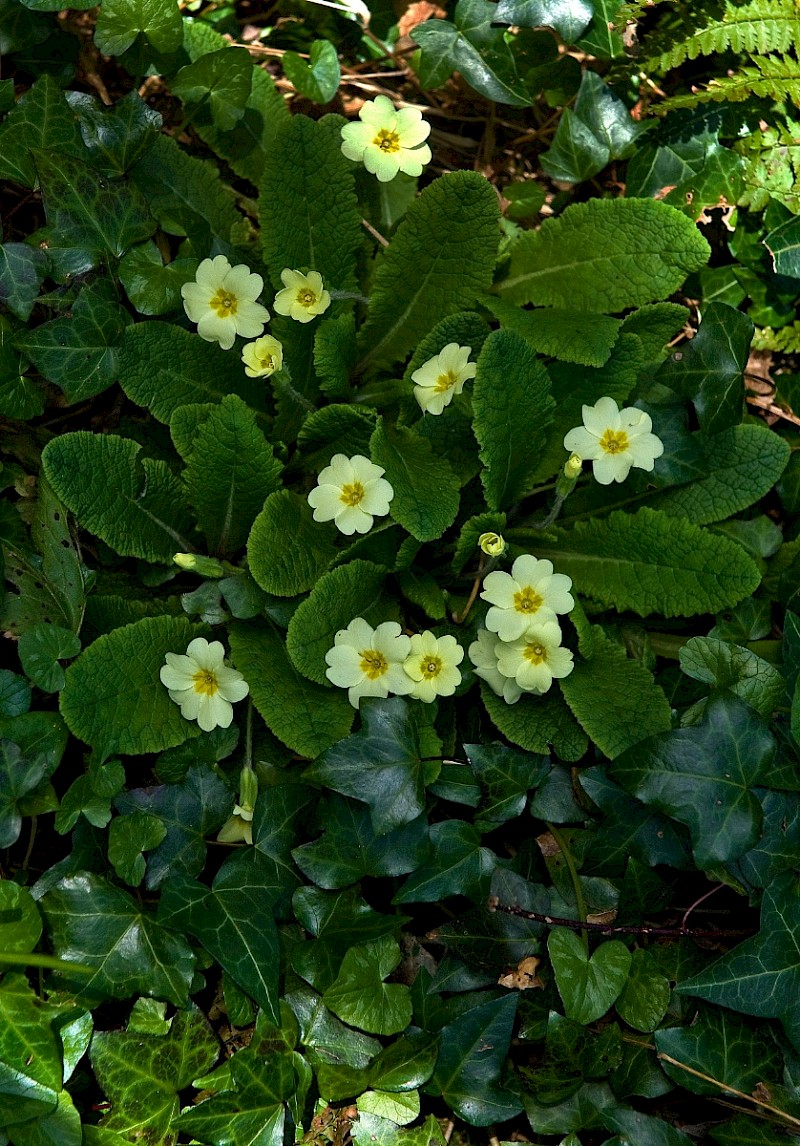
{"points": [[771, 167], [757, 28], [785, 339], [770, 77]]}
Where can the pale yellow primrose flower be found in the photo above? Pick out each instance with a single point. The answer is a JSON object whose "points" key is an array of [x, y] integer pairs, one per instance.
{"points": [[442, 377], [222, 301], [530, 592], [238, 828], [262, 357], [388, 141], [303, 296], [492, 544], [432, 665], [351, 492], [536, 658], [203, 685], [369, 662], [483, 654], [614, 440]]}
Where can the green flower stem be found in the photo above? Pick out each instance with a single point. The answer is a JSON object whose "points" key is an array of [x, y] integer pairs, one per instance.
{"points": [[667, 644], [577, 887], [50, 962]]}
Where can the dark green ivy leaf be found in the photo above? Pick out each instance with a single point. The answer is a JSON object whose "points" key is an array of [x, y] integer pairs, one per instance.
{"points": [[119, 135], [220, 83], [568, 17], [22, 270]]}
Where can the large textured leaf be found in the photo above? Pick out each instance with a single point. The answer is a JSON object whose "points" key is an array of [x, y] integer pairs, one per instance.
{"points": [[471, 1056], [566, 334], [604, 691], [349, 591], [97, 925], [650, 563], [604, 256], [22, 270], [743, 463], [235, 926], [762, 975], [84, 208], [287, 550], [30, 1055], [439, 261], [135, 504], [381, 765], [163, 367], [725, 1046], [536, 722], [703, 776], [142, 1074], [252, 1111], [513, 409], [728, 666], [304, 715], [229, 474], [309, 212], [113, 698], [361, 998], [42, 119], [426, 491]]}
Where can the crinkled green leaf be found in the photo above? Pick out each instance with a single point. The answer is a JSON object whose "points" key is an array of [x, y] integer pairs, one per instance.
{"points": [[335, 356], [604, 691], [142, 1074], [440, 259], [309, 212], [728, 666], [113, 698], [743, 464], [588, 985], [703, 776], [426, 491], [121, 21], [79, 353], [604, 256], [103, 928], [42, 119], [361, 998], [22, 270], [565, 334], [229, 474], [304, 715], [287, 550], [164, 368], [512, 411], [761, 975], [350, 590], [336, 429], [471, 1056], [536, 722], [651, 563], [88, 209]]}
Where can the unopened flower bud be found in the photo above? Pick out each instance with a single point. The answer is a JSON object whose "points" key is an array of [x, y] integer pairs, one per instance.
{"points": [[573, 466], [492, 544], [202, 566], [248, 790]]}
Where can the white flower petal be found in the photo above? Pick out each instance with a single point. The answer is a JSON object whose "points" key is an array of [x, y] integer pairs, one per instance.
{"points": [[602, 416]]}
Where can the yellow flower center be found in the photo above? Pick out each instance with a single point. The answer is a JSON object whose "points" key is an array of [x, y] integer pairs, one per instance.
{"points": [[527, 600], [352, 494], [224, 304], [373, 664], [388, 141], [267, 362], [445, 382], [614, 441], [430, 666], [535, 653], [205, 682], [306, 298]]}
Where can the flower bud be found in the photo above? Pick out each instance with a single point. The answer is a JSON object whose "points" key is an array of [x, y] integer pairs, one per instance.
{"points": [[573, 466], [248, 790], [492, 544], [202, 566]]}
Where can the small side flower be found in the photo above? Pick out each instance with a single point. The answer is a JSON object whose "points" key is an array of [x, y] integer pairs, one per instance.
{"points": [[351, 492], [432, 666], [369, 662], [483, 654], [439, 379], [536, 658], [386, 140], [303, 296], [203, 685], [222, 301], [615, 440], [262, 357]]}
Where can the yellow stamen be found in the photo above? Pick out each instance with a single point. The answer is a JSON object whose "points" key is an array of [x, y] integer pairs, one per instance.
{"points": [[535, 653], [352, 494], [224, 304], [528, 601], [306, 298], [430, 667], [387, 141], [614, 441], [445, 382], [205, 682], [373, 664]]}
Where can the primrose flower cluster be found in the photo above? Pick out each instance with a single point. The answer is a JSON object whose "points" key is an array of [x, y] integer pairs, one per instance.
{"points": [[520, 649], [376, 662], [222, 301]]}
